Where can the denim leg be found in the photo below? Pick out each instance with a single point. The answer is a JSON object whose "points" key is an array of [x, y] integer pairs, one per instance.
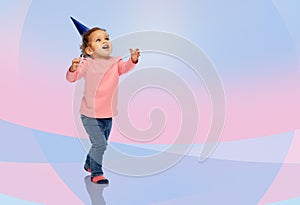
{"points": [[97, 130], [87, 163], [108, 128]]}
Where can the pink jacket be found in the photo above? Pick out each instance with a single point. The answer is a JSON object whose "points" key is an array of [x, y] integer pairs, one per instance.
{"points": [[101, 85]]}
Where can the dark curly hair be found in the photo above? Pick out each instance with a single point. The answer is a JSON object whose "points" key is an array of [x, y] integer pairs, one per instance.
{"points": [[85, 39]]}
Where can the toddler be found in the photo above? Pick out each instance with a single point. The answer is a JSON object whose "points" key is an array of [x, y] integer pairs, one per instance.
{"points": [[101, 74]]}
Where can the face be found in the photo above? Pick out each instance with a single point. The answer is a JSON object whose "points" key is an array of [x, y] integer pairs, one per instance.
{"points": [[99, 45]]}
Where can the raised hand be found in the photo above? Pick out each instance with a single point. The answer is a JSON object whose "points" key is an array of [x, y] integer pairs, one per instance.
{"points": [[75, 64], [135, 54]]}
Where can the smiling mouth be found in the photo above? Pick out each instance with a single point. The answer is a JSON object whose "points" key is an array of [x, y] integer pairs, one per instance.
{"points": [[105, 46]]}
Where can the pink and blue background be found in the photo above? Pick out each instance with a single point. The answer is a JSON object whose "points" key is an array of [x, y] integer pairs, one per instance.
{"points": [[255, 47]]}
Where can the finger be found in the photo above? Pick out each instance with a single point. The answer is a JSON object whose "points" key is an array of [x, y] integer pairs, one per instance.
{"points": [[76, 60], [137, 51]]}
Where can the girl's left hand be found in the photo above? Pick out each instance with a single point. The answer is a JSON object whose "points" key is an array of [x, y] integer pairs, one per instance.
{"points": [[135, 54]]}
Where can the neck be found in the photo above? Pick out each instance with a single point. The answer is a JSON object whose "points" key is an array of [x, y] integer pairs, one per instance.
{"points": [[96, 56]]}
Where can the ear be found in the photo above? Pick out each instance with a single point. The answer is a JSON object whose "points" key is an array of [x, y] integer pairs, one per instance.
{"points": [[88, 50]]}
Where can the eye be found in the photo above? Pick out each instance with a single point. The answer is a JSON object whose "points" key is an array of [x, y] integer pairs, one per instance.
{"points": [[98, 40], [107, 38]]}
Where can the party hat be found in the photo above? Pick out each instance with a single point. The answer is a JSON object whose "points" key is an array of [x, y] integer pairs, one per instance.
{"points": [[80, 27]]}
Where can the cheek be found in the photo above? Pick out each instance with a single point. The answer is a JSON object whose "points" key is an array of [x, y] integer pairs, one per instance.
{"points": [[95, 46]]}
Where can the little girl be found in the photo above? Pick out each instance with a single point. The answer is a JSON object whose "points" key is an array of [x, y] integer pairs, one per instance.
{"points": [[101, 73]]}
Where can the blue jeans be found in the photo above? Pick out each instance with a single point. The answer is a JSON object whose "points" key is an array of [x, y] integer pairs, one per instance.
{"points": [[98, 130]]}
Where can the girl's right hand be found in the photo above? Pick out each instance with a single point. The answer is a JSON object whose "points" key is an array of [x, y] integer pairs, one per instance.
{"points": [[75, 64]]}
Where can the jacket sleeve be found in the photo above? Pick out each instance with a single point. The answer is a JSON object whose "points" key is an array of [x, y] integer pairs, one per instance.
{"points": [[79, 73], [124, 67]]}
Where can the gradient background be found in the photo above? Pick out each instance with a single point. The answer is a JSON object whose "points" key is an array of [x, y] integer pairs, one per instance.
{"points": [[255, 47]]}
